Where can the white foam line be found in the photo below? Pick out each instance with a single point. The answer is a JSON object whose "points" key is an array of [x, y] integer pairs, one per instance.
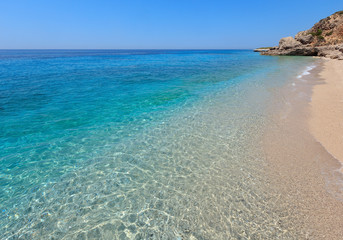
{"points": [[306, 72]]}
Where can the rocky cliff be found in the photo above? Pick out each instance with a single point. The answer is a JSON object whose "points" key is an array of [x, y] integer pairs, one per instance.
{"points": [[325, 38]]}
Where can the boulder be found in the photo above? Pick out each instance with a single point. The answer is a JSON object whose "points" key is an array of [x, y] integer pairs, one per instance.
{"points": [[288, 42], [339, 47], [330, 52], [304, 37]]}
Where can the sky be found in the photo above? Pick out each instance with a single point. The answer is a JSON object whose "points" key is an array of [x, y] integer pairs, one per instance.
{"points": [[156, 24]]}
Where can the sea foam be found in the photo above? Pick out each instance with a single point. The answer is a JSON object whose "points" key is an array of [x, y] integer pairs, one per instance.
{"points": [[306, 71]]}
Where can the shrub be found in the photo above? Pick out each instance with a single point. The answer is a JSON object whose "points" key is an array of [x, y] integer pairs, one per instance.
{"points": [[329, 33], [318, 33]]}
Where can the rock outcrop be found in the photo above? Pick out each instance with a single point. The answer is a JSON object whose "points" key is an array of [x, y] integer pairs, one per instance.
{"points": [[288, 43], [325, 39], [305, 37]]}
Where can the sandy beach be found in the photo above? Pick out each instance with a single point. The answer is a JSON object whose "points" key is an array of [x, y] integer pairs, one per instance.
{"points": [[300, 144], [326, 118]]}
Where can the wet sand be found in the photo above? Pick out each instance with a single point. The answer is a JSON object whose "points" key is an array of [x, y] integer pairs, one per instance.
{"points": [[303, 174], [326, 120]]}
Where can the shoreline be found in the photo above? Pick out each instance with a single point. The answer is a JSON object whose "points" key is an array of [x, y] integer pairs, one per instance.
{"points": [[300, 168], [326, 109]]}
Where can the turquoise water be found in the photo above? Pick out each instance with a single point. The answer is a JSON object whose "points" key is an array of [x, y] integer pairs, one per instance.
{"points": [[136, 144]]}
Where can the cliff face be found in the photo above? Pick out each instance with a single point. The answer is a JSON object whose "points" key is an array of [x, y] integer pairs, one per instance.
{"points": [[325, 38]]}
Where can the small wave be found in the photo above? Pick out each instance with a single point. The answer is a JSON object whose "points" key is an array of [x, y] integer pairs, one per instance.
{"points": [[306, 72]]}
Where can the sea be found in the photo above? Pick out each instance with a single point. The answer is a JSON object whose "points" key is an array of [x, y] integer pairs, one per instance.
{"points": [[139, 144]]}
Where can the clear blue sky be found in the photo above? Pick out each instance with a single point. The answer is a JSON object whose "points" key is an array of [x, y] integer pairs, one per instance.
{"points": [[161, 24]]}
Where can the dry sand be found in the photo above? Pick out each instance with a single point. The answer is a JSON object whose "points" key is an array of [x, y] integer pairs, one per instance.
{"points": [[326, 120]]}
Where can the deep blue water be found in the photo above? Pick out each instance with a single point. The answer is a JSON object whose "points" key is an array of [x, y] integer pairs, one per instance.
{"points": [[90, 138]]}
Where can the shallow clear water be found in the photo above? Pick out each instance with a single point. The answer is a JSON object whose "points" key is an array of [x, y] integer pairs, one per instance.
{"points": [[139, 144]]}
